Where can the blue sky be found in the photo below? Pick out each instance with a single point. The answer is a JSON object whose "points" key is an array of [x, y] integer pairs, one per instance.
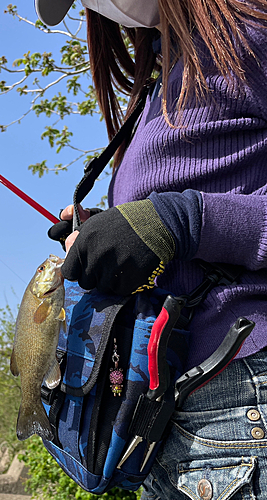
{"points": [[24, 240]]}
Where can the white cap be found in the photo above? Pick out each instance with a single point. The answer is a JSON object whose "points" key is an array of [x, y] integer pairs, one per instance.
{"points": [[129, 13]]}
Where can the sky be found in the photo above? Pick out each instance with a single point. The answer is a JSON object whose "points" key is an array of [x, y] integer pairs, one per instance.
{"points": [[24, 241]]}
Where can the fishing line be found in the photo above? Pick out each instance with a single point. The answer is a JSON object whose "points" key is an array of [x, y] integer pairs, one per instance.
{"points": [[13, 271]]}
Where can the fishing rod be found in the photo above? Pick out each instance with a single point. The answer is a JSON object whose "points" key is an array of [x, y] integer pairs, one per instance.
{"points": [[28, 200]]}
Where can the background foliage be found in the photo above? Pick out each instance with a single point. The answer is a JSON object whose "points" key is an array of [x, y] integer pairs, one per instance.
{"points": [[49, 481], [59, 85], [9, 385]]}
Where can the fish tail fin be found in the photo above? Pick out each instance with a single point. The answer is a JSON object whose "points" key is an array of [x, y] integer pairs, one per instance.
{"points": [[32, 419]]}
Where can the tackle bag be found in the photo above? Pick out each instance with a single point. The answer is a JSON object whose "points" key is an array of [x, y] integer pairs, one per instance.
{"points": [[104, 364]]}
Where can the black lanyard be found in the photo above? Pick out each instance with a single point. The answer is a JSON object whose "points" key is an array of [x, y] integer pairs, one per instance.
{"points": [[95, 166]]}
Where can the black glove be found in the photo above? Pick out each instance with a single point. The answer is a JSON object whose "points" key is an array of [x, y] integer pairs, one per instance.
{"points": [[61, 230], [120, 249]]}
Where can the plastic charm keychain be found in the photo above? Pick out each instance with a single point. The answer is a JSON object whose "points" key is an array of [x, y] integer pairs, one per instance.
{"points": [[116, 373]]}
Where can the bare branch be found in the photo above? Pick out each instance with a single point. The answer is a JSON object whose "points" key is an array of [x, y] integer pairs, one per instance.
{"points": [[79, 28], [18, 120], [11, 87], [78, 158], [68, 71], [12, 70], [55, 82], [75, 18], [48, 30], [90, 151], [58, 69]]}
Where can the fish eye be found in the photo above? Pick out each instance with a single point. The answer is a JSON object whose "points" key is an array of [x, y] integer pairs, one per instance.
{"points": [[41, 268]]}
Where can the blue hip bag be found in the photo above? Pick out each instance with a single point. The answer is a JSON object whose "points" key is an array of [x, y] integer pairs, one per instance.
{"points": [[104, 364]]}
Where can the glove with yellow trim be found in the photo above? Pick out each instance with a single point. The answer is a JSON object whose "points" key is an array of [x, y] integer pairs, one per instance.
{"points": [[122, 249], [61, 230]]}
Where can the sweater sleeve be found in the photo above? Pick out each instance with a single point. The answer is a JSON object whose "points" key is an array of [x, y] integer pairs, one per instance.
{"points": [[234, 229], [181, 213]]}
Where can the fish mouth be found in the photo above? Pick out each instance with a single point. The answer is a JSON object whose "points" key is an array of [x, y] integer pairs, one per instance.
{"points": [[57, 261], [52, 290]]}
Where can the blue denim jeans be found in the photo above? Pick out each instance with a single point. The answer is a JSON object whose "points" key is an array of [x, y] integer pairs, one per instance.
{"points": [[217, 447]]}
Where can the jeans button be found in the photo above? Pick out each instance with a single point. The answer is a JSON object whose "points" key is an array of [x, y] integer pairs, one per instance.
{"points": [[204, 489], [257, 433], [253, 415]]}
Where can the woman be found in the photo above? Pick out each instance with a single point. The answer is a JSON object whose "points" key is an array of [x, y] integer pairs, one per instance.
{"points": [[191, 185]]}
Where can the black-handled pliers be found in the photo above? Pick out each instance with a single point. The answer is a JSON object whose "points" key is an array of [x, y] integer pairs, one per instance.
{"points": [[216, 363]]}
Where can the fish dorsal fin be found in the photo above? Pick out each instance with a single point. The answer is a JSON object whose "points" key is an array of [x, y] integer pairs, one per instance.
{"points": [[53, 376], [42, 312], [13, 365], [62, 317]]}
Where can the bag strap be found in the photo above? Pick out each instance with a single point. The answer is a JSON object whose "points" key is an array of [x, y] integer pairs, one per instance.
{"points": [[215, 274], [95, 166]]}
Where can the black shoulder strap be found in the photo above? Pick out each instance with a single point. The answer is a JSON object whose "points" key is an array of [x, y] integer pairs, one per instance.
{"points": [[95, 166]]}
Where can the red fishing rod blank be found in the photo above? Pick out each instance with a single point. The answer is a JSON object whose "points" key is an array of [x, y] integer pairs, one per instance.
{"points": [[28, 200]]}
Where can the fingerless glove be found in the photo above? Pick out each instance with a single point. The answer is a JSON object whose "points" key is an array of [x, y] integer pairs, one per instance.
{"points": [[120, 250]]}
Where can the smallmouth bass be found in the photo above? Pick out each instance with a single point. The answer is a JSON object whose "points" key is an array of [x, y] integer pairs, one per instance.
{"points": [[40, 316]]}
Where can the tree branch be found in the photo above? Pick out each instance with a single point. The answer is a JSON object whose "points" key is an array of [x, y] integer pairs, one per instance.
{"points": [[48, 30], [42, 90], [11, 87]]}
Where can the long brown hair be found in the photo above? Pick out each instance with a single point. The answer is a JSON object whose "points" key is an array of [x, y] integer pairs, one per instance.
{"points": [[218, 22]]}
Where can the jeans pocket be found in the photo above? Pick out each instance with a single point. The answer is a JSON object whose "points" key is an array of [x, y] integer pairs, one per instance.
{"points": [[218, 478]]}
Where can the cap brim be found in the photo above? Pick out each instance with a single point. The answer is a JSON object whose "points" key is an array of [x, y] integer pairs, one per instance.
{"points": [[52, 12]]}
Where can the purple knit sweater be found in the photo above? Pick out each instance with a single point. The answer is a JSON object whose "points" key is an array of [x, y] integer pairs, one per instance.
{"points": [[220, 151]]}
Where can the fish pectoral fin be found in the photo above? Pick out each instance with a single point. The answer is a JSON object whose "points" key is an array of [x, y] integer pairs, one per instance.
{"points": [[62, 317], [42, 312], [53, 376], [13, 365]]}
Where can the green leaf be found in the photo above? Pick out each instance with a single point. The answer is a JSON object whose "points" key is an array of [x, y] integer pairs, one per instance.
{"points": [[39, 168], [73, 85]]}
